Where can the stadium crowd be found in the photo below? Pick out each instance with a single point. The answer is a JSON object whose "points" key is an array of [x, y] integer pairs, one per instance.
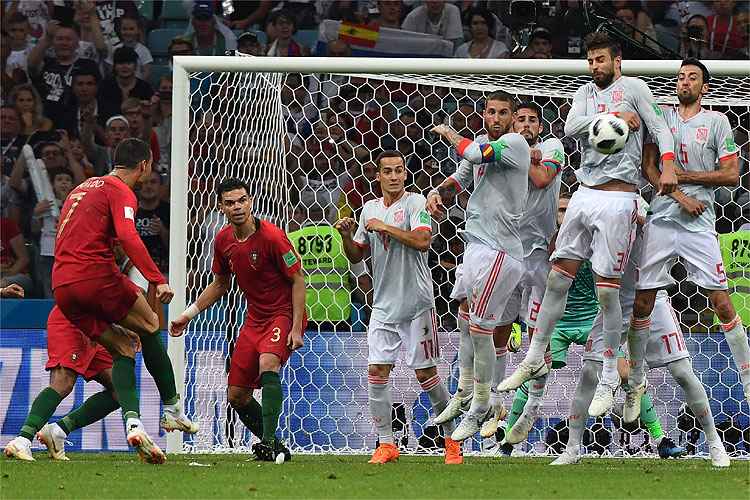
{"points": [[79, 78]]}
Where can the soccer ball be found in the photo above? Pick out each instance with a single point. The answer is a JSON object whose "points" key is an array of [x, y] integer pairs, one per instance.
{"points": [[608, 134]]}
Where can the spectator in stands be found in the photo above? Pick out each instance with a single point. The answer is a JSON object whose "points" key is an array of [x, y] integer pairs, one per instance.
{"points": [[540, 45], [285, 45], [11, 139], [345, 10], [116, 130], [122, 85], [29, 106], [37, 13], [247, 14], [426, 171], [52, 75], [694, 39], [724, 34], [14, 259], [359, 190], [138, 114], [248, 43], [636, 23], [130, 34], [79, 155], [93, 45], [18, 29], [12, 291], [180, 46], [390, 13], [84, 107], [481, 45], [305, 12], [108, 12], [163, 121], [152, 220], [208, 35], [338, 48], [436, 17]]}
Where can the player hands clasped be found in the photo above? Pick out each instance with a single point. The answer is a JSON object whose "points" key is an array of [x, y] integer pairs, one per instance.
{"points": [[397, 231], [683, 225], [600, 220], [269, 273]]}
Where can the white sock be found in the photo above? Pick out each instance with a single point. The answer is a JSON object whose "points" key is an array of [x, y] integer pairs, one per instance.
{"points": [[638, 334], [133, 422], [695, 396], [579, 408], [536, 392], [553, 308], [484, 360], [439, 397], [56, 429], [465, 357], [498, 374], [609, 301], [736, 336], [379, 396], [24, 440]]}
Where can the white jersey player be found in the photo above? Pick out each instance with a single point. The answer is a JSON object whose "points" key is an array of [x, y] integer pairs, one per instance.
{"points": [[493, 260], [600, 220], [683, 224], [396, 229], [665, 348]]}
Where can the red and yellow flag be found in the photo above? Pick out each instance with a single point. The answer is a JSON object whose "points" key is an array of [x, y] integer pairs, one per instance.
{"points": [[363, 35]]}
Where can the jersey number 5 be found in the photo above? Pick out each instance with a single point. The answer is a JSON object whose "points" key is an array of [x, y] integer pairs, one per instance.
{"points": [[76, 197]]}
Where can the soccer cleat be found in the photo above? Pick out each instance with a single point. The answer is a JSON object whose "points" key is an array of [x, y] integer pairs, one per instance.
{"points": [[632, 407], [469, 426], [668, 449], [386, 452], [177, 422], [489, 427], [456, 406], [604, 398], [19, 448], [719, 457], [567, 458], [453, 453], [522, 427], [265, 451], [53, 438], [506, 449], [146, 448], [524, 372]]}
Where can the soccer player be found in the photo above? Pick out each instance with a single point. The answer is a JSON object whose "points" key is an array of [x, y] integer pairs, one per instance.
{"points": [[397, 231], [93, 294], [682, 225], [600, 220], [269, 273], [493, 236], [665, 347]]}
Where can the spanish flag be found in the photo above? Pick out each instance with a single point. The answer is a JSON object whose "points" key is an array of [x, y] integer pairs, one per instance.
{"points": [[363, 35]]}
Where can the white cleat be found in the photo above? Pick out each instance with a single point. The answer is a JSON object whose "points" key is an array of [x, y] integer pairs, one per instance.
{"points": [[604, 398], [631, 410], [567, 458], [525, 371], [456, 406], [468, 426], [719, 457], [146, 448], [53, 438], [489, 427], [520, 430], [177, 422], [19, 448]]}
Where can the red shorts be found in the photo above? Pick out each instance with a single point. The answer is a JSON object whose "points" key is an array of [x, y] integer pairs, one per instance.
{"points": [[69, 348], [254, 340], [92, 305]]}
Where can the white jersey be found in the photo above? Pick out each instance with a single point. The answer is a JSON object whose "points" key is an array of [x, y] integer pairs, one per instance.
{"points": [[402, 283], [624, 94], [501, 177], [700, 142]]}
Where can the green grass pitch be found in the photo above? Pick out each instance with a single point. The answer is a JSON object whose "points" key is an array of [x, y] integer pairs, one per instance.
{"points": [[91, 475]]}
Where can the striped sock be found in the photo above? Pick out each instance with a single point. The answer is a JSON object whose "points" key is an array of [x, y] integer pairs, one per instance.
{"points": [[379, 396], [439, 397], [637, 342], [465, 357], [736, 337], [498, 374]]}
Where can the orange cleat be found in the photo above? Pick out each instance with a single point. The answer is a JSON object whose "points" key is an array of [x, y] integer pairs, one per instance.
{"points": [[386, 452], [453, 453]]}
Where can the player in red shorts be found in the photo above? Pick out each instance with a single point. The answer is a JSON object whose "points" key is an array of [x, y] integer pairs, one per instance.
{"points": [[269, 274], [93, 294]]}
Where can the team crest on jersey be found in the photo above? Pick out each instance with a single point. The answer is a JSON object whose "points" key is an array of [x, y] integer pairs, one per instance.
{"points": [[701, 135], [617, 96], [398, 217]]}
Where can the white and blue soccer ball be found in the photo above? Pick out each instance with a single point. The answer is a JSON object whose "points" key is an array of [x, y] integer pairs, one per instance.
{"points": [[608, 134]]}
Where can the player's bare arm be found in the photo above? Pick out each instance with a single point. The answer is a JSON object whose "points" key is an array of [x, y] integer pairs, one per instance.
{"points": [[541, 174], [728, 174], [294, 341], [346, 227], [650, 170], [447, 189], [418, 239], [208, 297]]}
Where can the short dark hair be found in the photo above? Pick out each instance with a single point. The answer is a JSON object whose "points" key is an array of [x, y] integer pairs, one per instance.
{"points": [[389, 153], [502, 96], [600, 40], [60, 171], [692, 61], [131, 152], [484, 14], [71, 25], [532, 106], [231, 184], [85, 70]]}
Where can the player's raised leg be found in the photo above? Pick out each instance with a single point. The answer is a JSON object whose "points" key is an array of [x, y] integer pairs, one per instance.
{"points": [[500, 340]]}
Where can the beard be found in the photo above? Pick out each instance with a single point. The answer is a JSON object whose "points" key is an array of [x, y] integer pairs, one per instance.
{"points": [[687, 98], [604, 80]]}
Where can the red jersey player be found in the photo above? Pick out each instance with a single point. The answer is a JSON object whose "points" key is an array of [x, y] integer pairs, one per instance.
{"points": [[93, 294], [269, 274]]}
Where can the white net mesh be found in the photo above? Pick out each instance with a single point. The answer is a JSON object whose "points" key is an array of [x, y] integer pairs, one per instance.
{"points": [[306, 144]]}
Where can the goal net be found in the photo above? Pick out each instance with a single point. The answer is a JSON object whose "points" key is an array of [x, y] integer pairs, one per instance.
{"points": [[304, 134]]}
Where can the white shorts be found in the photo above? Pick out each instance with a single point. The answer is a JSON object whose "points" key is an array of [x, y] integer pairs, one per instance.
{"points": [[526, 299], [419, 336], [663, 242], [490, 277], [599, 226], [665, 343], [459, 291]]}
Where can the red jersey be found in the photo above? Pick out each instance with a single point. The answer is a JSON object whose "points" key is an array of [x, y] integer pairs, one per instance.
{"points": [[263, 264], [98, 211]]}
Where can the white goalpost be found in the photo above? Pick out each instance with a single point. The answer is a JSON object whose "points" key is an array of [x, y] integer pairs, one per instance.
{"points": [[302, 132]]}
